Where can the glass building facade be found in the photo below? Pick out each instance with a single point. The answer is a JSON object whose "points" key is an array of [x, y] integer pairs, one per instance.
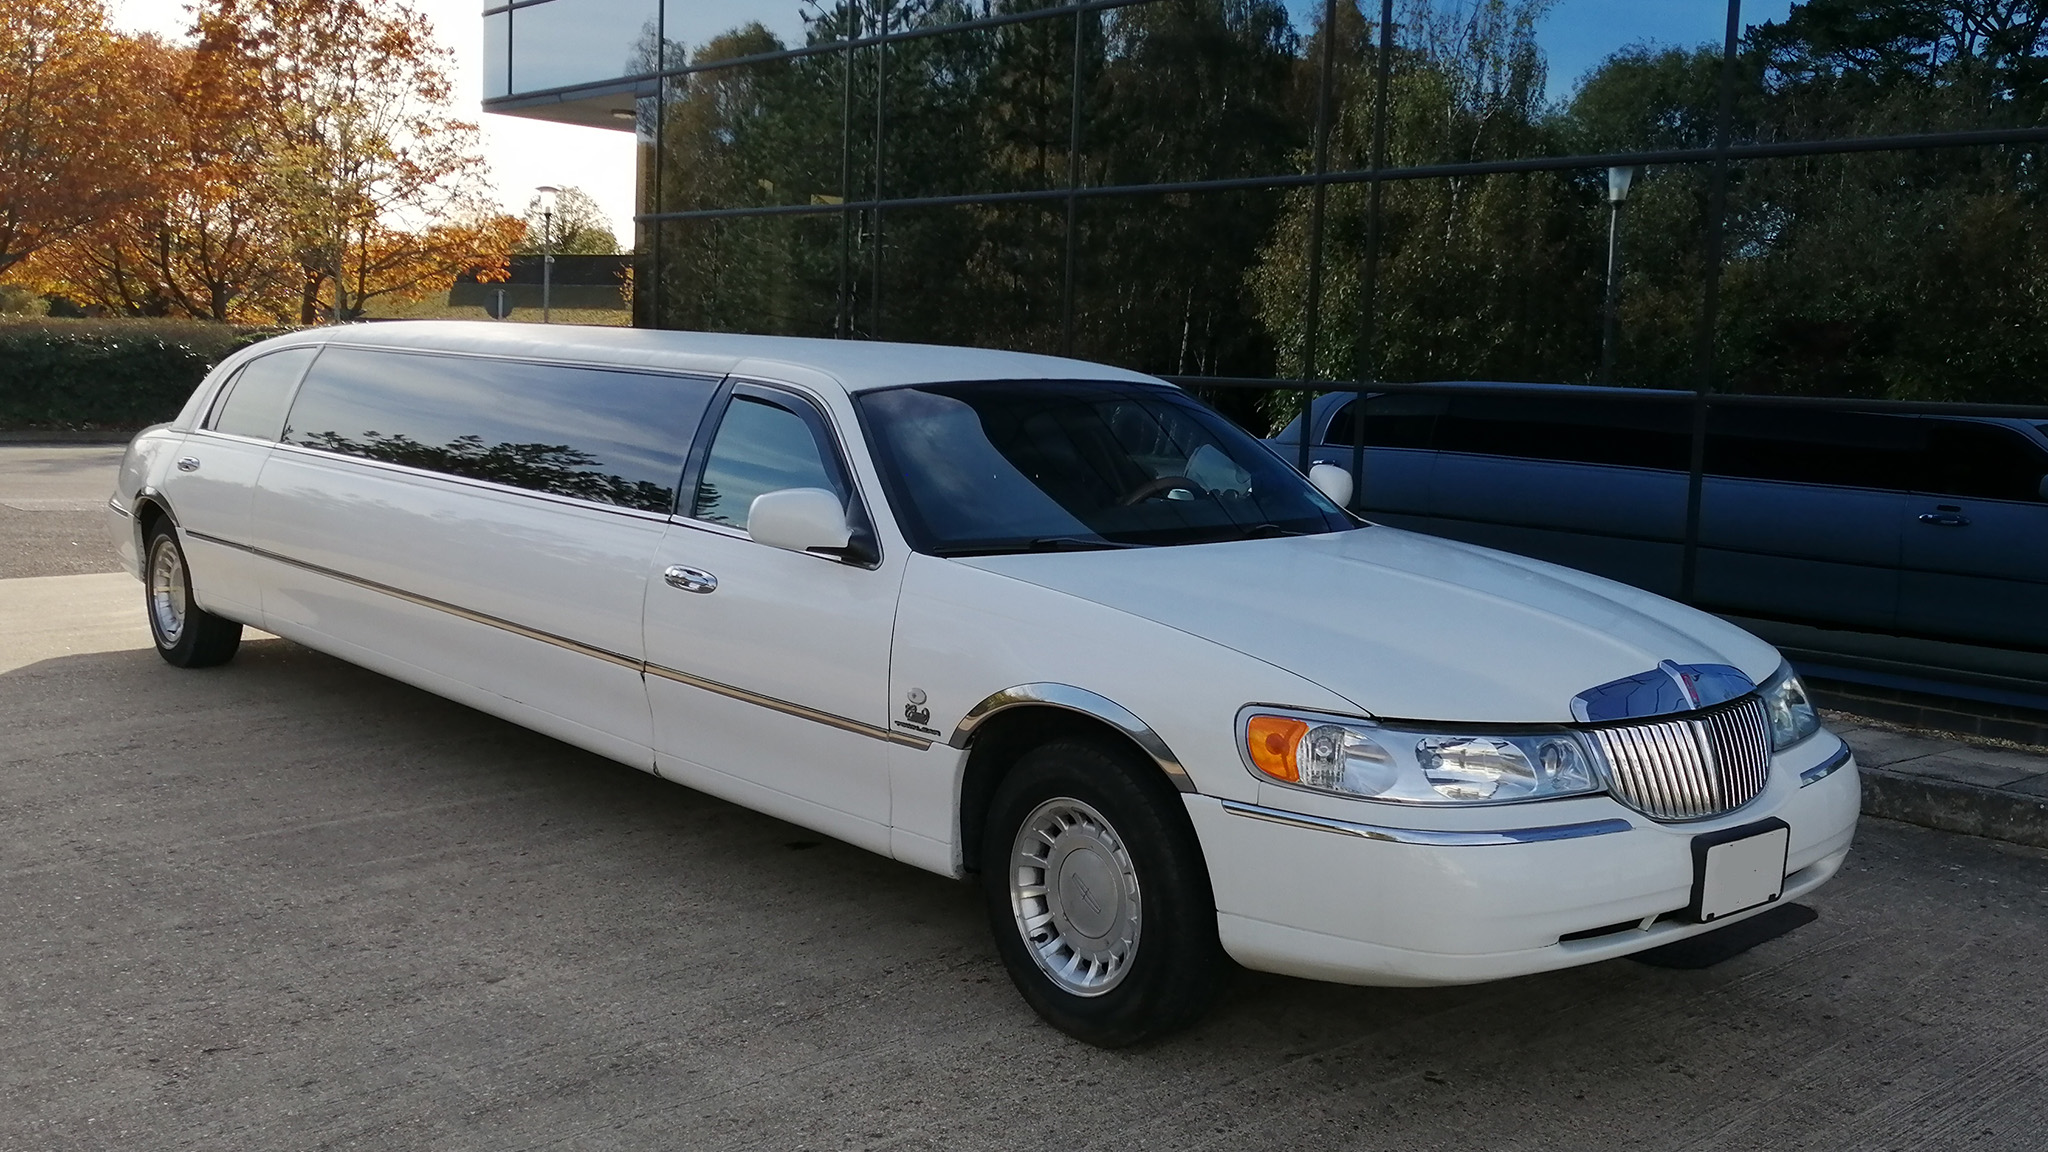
{"points": [[1837, 198], [1768, 203]]}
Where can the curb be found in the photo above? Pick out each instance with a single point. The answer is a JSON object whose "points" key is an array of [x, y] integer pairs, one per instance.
{"points": [[1948, 806]]}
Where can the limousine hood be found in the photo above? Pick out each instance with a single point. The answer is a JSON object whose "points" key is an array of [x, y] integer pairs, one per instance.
{"points": [[1403, 625]]}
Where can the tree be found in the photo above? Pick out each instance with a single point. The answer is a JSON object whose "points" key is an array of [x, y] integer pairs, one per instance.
{"points": [[74, 146], [579, 227], [384, 189]]}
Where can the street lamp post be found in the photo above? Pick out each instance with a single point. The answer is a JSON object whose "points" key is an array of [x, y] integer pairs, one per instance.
{"points": [[1618, 181], [547, 251]]}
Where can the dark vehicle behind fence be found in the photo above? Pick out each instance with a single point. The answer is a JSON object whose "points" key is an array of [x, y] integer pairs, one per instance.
{"points": [[1918, 526]]}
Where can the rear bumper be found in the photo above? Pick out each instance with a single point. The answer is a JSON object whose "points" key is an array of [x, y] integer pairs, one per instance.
{"points": [[1300, 900]]}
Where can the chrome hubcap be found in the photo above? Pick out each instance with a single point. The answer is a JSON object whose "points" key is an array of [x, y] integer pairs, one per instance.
{"points": [[167, 592], [1075, 894]]}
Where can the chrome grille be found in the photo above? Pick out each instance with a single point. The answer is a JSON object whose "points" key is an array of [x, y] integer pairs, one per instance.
{"points": [[1690, 767]]}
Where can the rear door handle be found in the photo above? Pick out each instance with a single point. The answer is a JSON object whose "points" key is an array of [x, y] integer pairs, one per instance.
{"points": [[188, 464], [690, 579], [1946, 516]]}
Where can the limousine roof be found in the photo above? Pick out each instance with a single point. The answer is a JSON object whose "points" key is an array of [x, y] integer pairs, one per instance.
{"points": [[858, 365]]}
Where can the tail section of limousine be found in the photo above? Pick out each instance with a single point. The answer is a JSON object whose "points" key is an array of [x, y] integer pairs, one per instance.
{"points": [[1051, 626]]}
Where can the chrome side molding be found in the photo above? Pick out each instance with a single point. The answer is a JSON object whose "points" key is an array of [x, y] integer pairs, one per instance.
{"points": [[1428, 836], [1087, 704]]}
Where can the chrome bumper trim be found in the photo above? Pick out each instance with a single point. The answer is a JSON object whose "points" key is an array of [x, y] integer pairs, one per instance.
{"points": [[1428, 836], [1825, 768]]}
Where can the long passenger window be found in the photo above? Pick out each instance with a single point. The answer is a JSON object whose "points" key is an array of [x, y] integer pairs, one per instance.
{"points": [[1572, 429], [1967, 458], [1849, 449], [1403, 420], [611, 437], [761, 447], [257, 397]]}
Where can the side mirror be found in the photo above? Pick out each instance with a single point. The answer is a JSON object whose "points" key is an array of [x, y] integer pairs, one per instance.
{"points": [[1333, 482], [799, 519]]}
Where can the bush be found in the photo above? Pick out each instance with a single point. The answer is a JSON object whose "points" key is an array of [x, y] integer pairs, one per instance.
{"points": [[111, 374], [18, 301]]}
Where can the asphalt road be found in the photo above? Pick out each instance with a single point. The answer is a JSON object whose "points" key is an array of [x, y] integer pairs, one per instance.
{"points": [[291, 904], [52, 501]]}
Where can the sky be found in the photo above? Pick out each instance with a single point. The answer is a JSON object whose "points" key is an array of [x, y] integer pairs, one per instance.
{"points": [[523, 154]]}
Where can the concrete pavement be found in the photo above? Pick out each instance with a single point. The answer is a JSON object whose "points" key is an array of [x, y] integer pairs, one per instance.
{"points": [[290, 904], [51, 509]]}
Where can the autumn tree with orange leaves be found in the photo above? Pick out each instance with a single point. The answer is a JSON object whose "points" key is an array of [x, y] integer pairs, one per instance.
{"points": [[302, 160], [75, 149]]}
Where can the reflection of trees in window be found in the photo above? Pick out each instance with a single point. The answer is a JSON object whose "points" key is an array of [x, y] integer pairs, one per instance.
{"points": [[1911, 274], [555, 468]]}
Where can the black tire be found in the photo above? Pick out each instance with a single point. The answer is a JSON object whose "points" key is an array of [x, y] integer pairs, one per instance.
{"points": [[187, 636], [1149, 860]]}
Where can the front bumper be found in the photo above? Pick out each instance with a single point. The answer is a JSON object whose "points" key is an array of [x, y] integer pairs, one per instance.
{"points": [[1402, 911]]}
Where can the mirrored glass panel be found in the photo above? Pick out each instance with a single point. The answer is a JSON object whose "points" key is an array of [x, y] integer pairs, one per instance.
{"points": [[497, 54], [981, 110], [1191, 90], [769, 133], [567, 42], [982, 275], [776, 275], [694, 31], [1897, 275]]}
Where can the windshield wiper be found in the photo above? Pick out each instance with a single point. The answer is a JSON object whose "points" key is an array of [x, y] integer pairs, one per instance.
{"points": [[1040, 544], [1267, 531]]}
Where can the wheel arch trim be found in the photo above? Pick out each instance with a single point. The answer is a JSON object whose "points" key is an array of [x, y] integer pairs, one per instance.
{"points": [[1068, 698]]}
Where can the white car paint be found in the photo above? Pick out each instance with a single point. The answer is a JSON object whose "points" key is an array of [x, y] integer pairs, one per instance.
{"points": [[836, 696]]}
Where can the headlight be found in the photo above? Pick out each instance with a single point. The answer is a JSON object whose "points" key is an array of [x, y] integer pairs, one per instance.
{"points": [[1792, 716], [1417, 765]]}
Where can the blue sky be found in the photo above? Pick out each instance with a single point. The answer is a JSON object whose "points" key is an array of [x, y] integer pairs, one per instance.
{"points": [[1578, 34]]}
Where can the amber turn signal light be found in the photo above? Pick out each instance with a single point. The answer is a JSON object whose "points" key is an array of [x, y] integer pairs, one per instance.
{"points": [[1271, 741]]}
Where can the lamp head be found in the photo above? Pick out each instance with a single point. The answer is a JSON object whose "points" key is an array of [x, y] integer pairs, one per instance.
{"points": [[1618, 182]]}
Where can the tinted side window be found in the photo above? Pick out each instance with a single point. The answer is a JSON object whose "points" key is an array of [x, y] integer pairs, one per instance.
{"points": [[1965, 458], [613, 437], [761, 447], [1403, 421], [1634, 434], [256, 399], [1851, 449]]}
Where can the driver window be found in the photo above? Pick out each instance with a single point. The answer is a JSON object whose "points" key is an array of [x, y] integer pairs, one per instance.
{"points": [[761, 446]]}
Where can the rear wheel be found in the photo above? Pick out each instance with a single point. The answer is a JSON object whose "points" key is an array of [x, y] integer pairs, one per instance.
{"points": [[1098, 896], [187, 635]]}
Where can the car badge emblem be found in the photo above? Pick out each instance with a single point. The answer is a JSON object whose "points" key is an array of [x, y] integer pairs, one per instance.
{"points": [[1665, 690]]}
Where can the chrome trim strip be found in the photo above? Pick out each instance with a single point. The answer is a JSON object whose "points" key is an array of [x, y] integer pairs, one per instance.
{"points": [[786, 707], [1825, 768], [1427, 836], [1088, 704], [114, 504]]}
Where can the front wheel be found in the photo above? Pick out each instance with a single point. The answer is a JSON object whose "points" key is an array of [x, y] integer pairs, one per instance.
{"points": [[187, 635], [1098, 895]]}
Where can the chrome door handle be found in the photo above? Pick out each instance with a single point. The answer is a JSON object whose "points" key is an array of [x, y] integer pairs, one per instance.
{"points": [[1946, 518], [188, 464], [690, 579]]}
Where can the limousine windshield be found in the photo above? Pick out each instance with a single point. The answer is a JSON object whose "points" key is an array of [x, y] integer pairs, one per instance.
{"points": [[990, 467]]}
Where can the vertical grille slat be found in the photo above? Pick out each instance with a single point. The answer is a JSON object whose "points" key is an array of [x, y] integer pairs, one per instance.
{"points": [[1693, 766]]}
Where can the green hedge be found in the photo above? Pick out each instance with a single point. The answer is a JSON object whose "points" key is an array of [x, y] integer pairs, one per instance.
{"points": [[112, 374]]}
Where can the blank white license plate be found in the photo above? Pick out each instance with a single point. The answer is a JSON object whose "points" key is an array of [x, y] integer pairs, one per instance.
{"points": [[1739, 874]]}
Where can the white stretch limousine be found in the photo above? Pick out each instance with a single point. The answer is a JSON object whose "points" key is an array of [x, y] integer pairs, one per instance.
{"points": [[1051, 623]]}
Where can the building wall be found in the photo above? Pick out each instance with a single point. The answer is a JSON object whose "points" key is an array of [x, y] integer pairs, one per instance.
{"points": [[1840, 199]]}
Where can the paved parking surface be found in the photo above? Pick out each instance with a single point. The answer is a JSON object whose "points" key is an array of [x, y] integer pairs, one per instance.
{"points": [[51, 501], [290, 904]]}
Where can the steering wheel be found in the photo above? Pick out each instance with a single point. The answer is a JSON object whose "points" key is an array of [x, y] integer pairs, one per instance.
{"points": [[1157, 485]]}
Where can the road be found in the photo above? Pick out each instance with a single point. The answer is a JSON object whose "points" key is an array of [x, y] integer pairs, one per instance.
{"points": [[51, 499], [291, 904]]}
